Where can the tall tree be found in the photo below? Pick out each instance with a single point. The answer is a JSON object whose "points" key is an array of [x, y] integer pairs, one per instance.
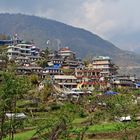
{"points": [[12, 88], [58, 124], [122, 106]]}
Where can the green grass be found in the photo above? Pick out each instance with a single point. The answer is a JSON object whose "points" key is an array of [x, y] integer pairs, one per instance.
{"points": [[111, 127], [136, 91], [79, 120], [98, 128], [23, 135], [106, 127]]}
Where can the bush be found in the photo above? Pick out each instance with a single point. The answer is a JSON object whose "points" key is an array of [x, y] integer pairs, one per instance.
{"points": [[55, 107], [82, 114]]}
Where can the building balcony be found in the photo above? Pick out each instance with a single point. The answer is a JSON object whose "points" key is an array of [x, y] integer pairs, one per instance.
{"points": [[67, 83], [25, 49], [13, 51], [12, 46]]}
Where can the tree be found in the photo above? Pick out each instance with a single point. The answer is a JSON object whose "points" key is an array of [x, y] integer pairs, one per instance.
{"points": [[58, 123], [45, 53], [34, 80], [122, 105], [42, 63], [12, 88]]}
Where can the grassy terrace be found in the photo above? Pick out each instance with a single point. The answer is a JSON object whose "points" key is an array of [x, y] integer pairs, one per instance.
{"points": [[23, 135], [98, 128], [91, 116]]}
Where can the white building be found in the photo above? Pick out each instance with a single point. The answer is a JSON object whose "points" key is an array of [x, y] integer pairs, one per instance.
{"points": [[22, 49], [13, 51], [68, 81], [104, 64]]}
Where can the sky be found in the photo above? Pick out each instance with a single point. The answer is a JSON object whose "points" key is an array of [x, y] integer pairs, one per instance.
{"points": [[115, 20]]}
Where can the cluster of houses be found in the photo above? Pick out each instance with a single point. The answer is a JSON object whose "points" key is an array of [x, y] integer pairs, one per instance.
{"points": [[64, 68]]}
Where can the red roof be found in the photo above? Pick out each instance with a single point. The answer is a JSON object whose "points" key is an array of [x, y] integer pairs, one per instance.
{"points": [[64, 49]]}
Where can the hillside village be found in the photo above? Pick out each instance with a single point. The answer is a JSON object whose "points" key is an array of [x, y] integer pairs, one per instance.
{"points": [[69, 70], [57, 80], [64, 68]]}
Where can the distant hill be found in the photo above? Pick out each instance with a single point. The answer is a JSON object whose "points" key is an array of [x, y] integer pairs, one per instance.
{"points": [[81, 41], [128, 40]]}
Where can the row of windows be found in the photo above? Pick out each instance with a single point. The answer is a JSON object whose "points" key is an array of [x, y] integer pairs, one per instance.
{"points": [[66, 81], [33, 70], [51, 71], [87, 73]]}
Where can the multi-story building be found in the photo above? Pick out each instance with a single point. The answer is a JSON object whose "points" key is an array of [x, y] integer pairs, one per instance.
{"points": [[105, 65], [27, 70], [13, 52], [34, 50], [70, 64], [66, 53], [88, 77], [53, 70], [27, 60], [66, 58], [68, 81], [34, 58], [56, 61], [22, 60], [124, 81], [86, 74], [22, 49]]}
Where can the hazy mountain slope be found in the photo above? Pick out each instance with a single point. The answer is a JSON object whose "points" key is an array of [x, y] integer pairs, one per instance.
{"points": [[81, 41], [40, 30], [129, 40]]}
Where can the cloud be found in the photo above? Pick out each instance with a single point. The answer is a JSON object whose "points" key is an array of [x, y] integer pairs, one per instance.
{"points": [[95, 17], [108, 17]]}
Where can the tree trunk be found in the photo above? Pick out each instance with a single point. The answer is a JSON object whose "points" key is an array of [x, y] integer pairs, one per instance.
{"points": [[2, 125]]}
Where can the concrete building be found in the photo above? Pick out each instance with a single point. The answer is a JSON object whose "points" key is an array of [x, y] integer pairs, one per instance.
{"points": [[124, 81], [70, 64], [105, 64], [22, 49], [86, 74], [68, 81], [88, 78], [66, 53], [27, 70], [53, 70], [13, 51]]}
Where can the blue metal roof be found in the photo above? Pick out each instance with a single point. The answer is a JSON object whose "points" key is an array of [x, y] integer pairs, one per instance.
{"points": [[137, 84], [57, 65], [110, 93], [52, 68], [5, 42]]}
